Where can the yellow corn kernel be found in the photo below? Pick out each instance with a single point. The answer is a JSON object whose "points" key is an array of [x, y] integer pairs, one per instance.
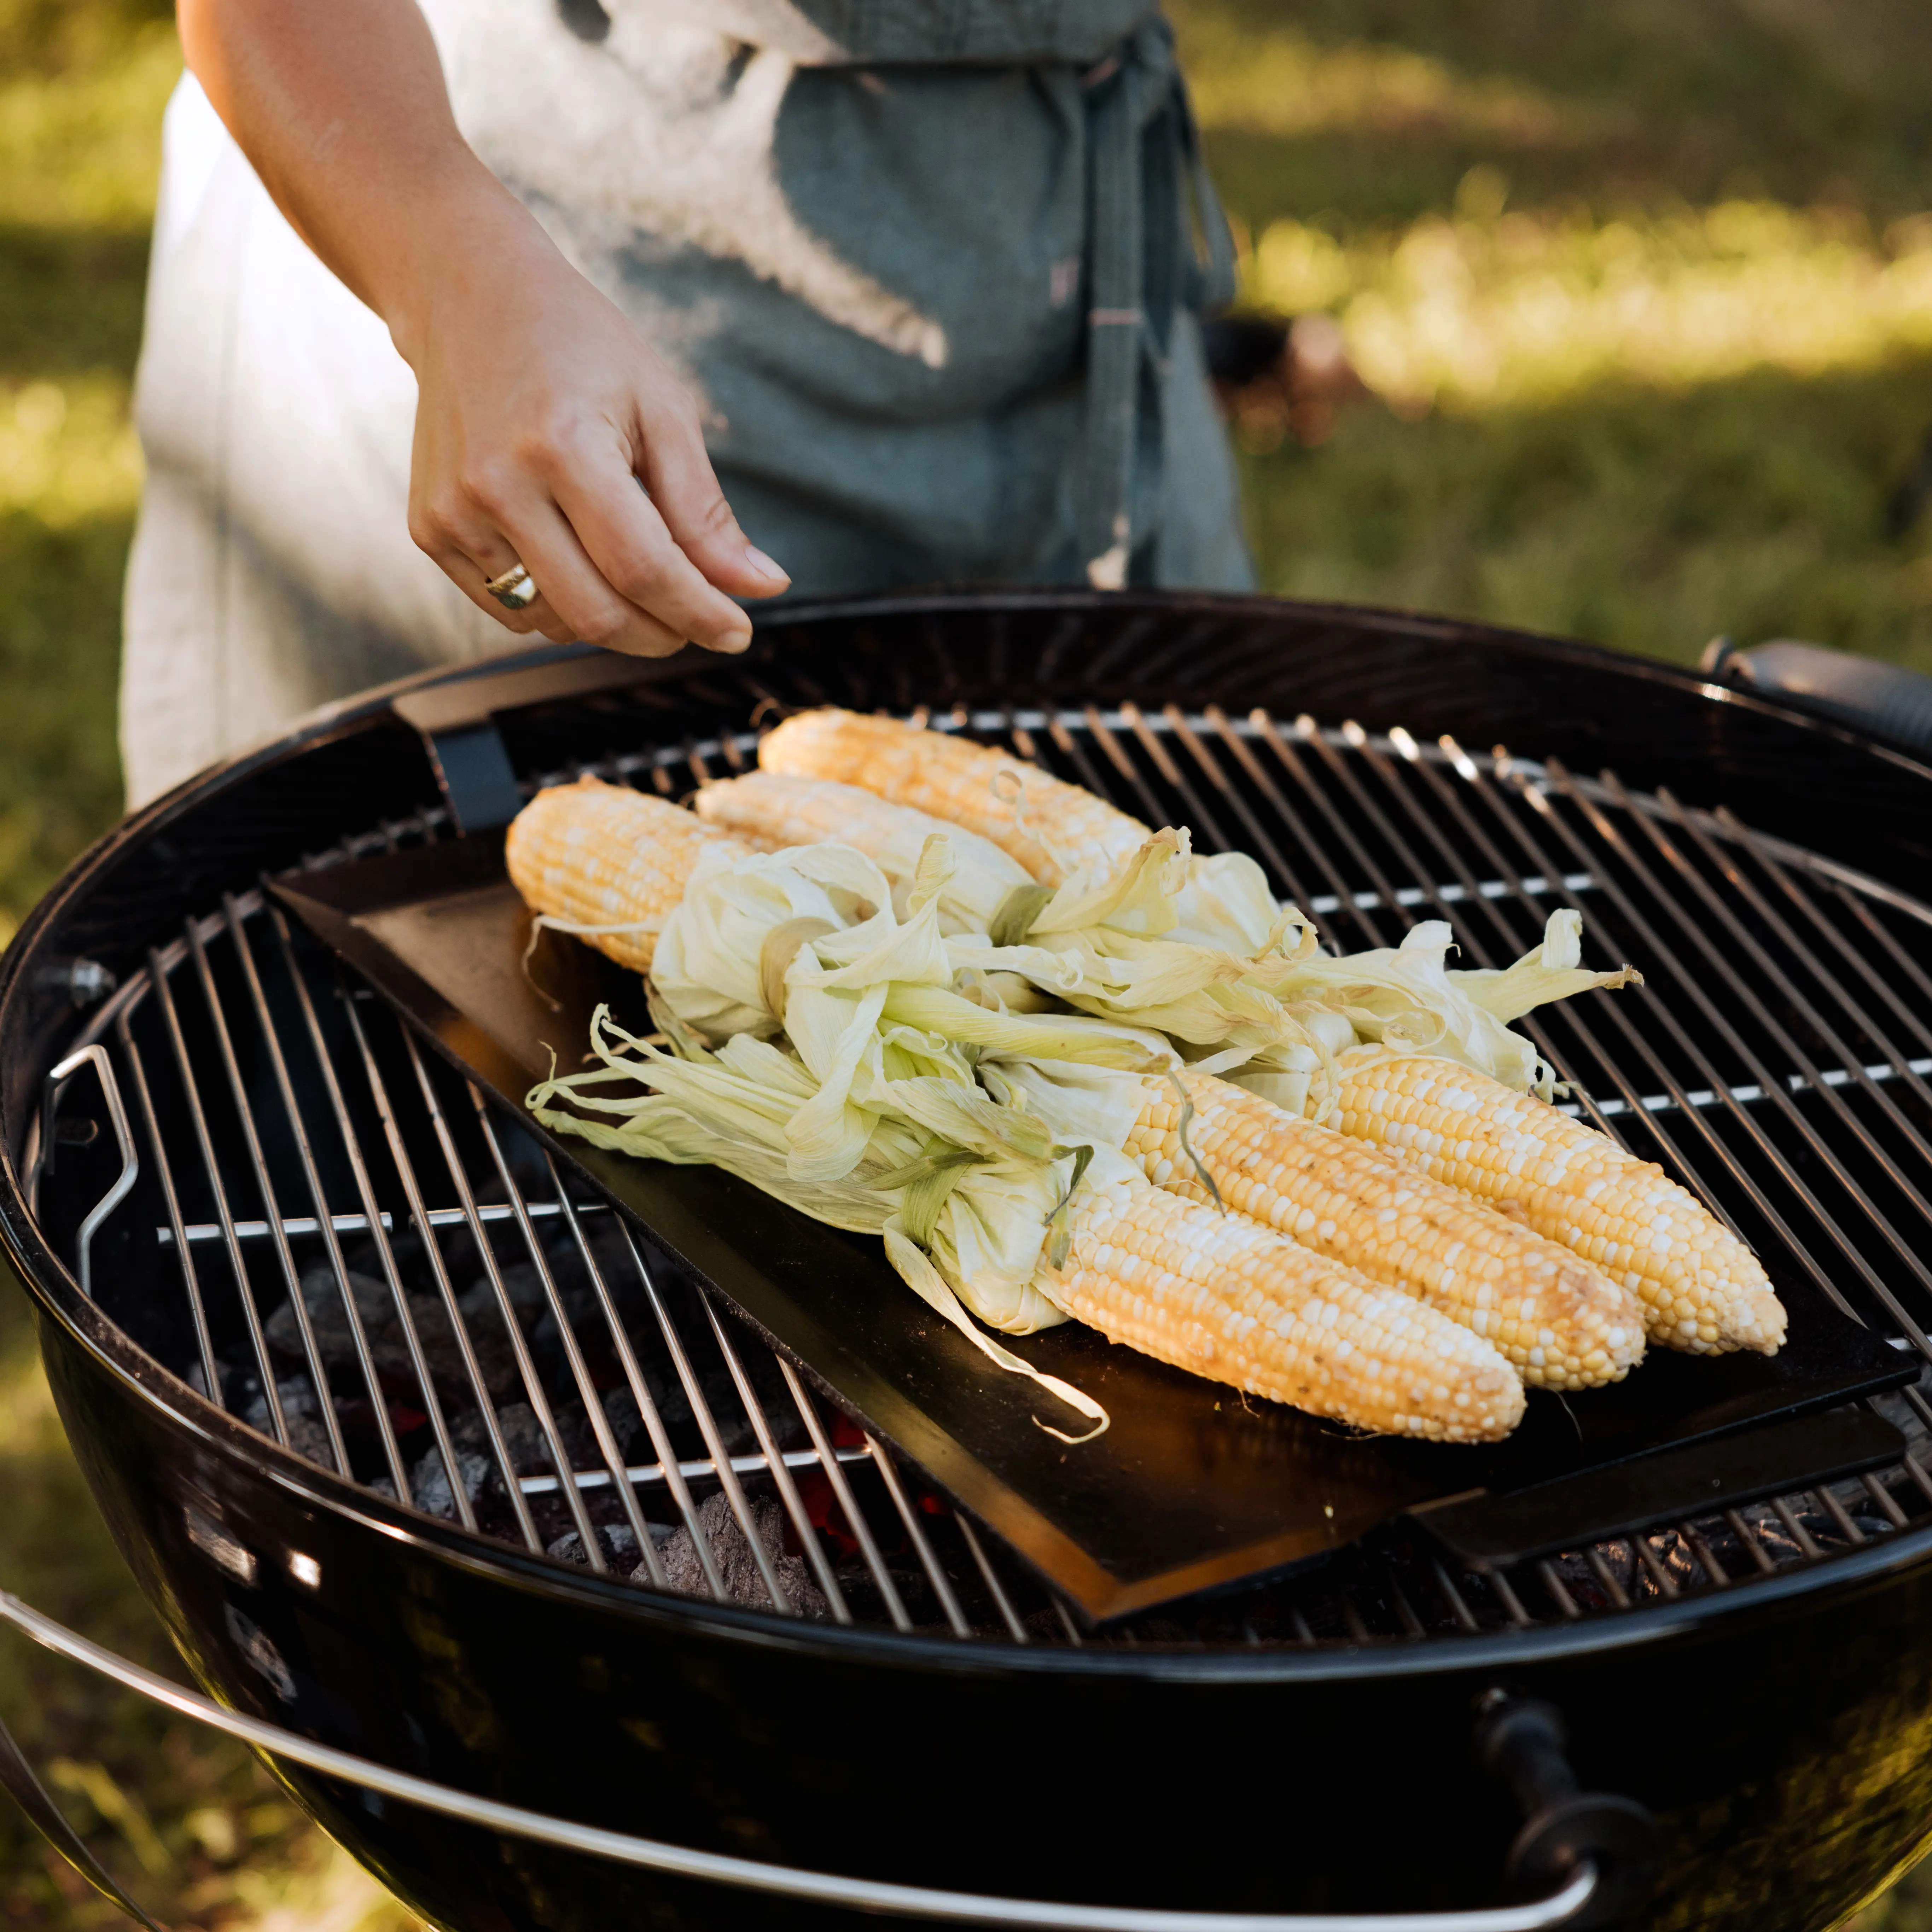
{"points": [[1702, 1290], [1051, 827], [1223, 1297], [602, 855], [1560, 1321]]}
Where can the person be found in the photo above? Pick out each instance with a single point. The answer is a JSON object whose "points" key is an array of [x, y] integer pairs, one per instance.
{"points": [[487, 318]]}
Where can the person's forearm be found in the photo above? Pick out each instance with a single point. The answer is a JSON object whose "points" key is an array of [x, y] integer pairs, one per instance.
{"points": [[341, 108], [540, 411]]}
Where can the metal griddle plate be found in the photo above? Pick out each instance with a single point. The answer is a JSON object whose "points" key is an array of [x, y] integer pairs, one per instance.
{"points": [[1192, 1486]]}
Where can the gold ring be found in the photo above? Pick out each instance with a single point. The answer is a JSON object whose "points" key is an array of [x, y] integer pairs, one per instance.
{"points": [[513, 590]]}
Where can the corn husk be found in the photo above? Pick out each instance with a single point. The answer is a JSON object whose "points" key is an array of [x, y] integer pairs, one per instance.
{"points": [[1284, 1018], [809, 939], [1118, 948], [1407, 999], [1284, 1021], [1554, 970], [965, 1222], [709, 965]]}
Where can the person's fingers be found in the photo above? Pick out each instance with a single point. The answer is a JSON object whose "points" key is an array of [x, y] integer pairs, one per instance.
{"points": [[625, 537], [557, 488], [471, 555], [497, 511], [576, 590], [676, 471]]}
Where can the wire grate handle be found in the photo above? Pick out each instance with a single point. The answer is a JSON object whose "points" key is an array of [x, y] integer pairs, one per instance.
{"points": [[96, 1057]]}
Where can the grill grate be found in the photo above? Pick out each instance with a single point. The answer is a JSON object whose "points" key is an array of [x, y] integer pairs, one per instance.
{"points": [[343, 1243]]}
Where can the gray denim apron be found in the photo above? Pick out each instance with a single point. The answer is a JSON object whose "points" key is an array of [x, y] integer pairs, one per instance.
{"points": [[932, 268]]}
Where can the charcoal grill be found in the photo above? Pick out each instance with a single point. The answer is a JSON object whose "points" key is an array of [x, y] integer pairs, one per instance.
{"points": [[562, 1598]]}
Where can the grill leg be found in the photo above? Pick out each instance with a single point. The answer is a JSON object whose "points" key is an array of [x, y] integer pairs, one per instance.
{"points": [[46, 1818]]}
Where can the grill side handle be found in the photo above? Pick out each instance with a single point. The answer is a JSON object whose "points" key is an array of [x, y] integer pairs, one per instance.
{"points": [[1885, 699], [1565, 1835], [1565, 1829]]}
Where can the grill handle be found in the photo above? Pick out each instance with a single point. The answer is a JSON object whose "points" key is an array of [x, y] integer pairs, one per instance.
{"points": [[16, 1774], [1523, 1741], [1883, 698]]}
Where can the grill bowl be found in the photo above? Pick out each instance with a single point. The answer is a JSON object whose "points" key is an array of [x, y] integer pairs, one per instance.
{"points": [[1191, 1767]]}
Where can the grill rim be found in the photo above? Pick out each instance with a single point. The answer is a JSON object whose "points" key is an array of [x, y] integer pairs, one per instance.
{"points": [[114, 1353]]}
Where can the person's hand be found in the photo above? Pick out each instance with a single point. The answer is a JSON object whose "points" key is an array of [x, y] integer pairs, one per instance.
{"points": [[549, 434]]}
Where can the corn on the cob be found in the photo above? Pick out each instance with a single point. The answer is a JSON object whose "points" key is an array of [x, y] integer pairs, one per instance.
{"points": [[1050, 826], [1702, 1290], [1223, 1297], [598, 855], [781, 810], [1562, 1322]]}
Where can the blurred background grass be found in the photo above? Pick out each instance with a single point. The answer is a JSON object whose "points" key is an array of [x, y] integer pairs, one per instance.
{"points": [[1642, 296], [1644, 290]]}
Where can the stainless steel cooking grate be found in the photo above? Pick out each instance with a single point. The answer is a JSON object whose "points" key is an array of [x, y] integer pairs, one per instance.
{"points": [[349, 1250]]}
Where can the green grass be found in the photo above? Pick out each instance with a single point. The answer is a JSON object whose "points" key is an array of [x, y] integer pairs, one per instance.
{"points": [[60, 775], [1375, 110], [1742, 176], [1646, 521], [1431, 174]]}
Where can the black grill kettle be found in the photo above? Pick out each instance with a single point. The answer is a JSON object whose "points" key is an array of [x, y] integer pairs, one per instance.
{"points": [[510, 1741]]}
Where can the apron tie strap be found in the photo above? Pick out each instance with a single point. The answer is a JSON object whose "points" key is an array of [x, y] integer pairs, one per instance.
{"points": [[1146, 262]]}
